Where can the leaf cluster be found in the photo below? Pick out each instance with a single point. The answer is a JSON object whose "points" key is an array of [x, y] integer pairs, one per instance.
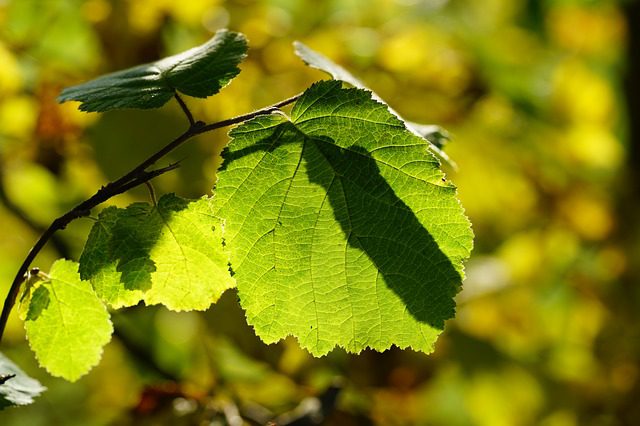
{"points": [[334, 222]]}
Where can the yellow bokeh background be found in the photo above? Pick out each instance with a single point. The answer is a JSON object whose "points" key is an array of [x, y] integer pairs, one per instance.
{"points": [[533, 95]]}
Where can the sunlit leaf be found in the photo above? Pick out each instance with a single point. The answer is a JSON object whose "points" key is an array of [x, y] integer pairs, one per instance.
{"points": [[170, 254], [341, 227], [67, 325], [98, 264], [435, 135]]}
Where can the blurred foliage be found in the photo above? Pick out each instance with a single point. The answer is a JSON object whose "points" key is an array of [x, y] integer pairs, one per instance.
{"points": [[531, 92]]}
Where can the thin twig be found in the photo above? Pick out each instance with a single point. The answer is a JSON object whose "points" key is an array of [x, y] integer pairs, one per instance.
{"points": [[199, 128], [152, 193], [138, 176], [142, 356], [5, 378], [246, 117], [81, 210], [185, 109]]}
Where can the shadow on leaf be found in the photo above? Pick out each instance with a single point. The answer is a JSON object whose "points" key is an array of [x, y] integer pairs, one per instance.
{"points": [[380, 224], [121, 249], [39, 302], [374, 221]]}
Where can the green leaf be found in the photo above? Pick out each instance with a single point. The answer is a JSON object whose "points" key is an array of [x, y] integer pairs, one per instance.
{"points": [[171, 254], [341, 226], [98, 264], [16, 388], [67, 325], [200, 72], [320, 62], [434, 134]]}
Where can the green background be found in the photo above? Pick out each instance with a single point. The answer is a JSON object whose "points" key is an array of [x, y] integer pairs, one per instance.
{"points": [[535, 98]]}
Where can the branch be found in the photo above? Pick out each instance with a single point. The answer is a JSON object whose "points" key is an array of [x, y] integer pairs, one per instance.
{"points": [[138, 176], [81, 210], [199, 128], [246, 117]]}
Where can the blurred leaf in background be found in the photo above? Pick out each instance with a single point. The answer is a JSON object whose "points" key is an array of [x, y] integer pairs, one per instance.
{"points": [[532, 94]]}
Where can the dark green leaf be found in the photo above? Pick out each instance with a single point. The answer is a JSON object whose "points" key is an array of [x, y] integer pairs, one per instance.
{"points": [[200, 72]]}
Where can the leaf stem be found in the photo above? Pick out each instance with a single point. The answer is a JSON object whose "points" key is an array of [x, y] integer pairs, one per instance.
{"points": [[249, 116], [137, 176], [152, 193], [185, 109]]}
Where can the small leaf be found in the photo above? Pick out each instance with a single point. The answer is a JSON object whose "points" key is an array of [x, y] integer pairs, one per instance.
{"points": [[434, 134], [67, 325], [170, 254], [98, 263], [16, 388], [200, 72], [320, 62], [341, 228]]}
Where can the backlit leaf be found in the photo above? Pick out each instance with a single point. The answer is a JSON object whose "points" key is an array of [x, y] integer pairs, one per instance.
{"points": [[170, 254], [98, 263], [342, 228], [435, 135], [67, 325]]}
